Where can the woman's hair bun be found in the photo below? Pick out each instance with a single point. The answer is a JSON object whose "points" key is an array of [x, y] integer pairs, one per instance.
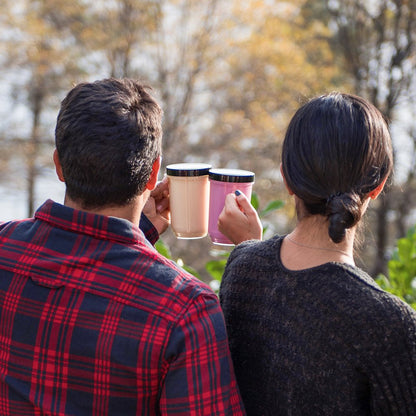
{"points": [[343, 211]]}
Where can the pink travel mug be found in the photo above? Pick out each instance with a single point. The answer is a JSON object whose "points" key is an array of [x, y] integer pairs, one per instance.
{"points": [[222, 183]]}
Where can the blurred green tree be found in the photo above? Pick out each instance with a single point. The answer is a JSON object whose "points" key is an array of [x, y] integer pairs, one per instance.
{"points": [[40, 52], [376, 44]]}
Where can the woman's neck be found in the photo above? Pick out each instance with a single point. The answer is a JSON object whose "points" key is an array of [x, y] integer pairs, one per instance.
{"points": [[309, 245]]}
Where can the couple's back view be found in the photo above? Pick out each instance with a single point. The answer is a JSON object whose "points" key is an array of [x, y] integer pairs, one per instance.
{"points": [[93, 321]]}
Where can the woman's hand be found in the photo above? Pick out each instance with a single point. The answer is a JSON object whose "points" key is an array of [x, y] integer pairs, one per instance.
{"points": [[239, 220], [156, 208]]}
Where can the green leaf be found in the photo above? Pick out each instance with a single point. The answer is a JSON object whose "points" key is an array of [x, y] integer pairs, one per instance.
{"points": [[402, 270], [191, 270], [163, 249], [255, 201], [405, 247], [411, 234], [272, 206], [216, 268], [383, 282]]}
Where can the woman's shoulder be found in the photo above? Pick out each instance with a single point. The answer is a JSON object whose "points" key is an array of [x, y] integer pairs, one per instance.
{"points": [[368, 302], [258, 248], [253, 259]]}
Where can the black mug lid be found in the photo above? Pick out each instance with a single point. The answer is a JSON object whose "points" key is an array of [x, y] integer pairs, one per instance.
{"points": [[188, 169], [231, 175]]}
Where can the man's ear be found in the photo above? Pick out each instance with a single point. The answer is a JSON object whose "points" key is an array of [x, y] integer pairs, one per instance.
{"points": [[376, 192], [284, 180], [58, 166], [151, 184]]}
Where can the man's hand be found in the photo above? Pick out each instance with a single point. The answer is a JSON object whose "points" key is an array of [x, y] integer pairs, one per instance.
{"points": [[156, 208]]}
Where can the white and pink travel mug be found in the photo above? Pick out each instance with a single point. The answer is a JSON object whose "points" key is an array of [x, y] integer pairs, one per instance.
{"points": [[189, 199], [222, 183]]}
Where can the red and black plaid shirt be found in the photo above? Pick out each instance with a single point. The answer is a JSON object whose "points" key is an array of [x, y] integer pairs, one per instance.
{"points": [[93, 321]]}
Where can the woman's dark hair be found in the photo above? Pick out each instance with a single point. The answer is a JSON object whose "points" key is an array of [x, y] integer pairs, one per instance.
{"points": [[337, 149], [108, 135]]}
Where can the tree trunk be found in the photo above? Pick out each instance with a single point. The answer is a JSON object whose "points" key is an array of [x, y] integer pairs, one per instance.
{"points": [[33, 149], [380, 262]]}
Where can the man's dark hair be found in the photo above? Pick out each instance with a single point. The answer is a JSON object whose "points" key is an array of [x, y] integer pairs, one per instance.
{"points": [[108, 135], [337, 149]]}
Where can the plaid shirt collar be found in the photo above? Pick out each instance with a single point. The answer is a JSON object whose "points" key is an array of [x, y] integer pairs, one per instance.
{"points": [[98, 226]]}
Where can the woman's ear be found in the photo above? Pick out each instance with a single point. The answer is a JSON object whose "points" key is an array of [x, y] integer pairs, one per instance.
{"points": [[376, 192], [284, 180], [58, 166], [152, 182]]}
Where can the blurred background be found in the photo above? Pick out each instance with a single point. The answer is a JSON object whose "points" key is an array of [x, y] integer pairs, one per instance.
{"points": [[229, 75]]}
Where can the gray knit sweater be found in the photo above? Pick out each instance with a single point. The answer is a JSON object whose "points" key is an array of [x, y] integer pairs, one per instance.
{"points": [[321, 341]]}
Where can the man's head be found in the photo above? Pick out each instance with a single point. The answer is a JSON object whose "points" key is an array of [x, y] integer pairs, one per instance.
{"points": [[108, 136]]}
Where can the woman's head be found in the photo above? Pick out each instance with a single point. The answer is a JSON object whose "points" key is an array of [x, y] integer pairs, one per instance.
{"points": [[337, 150]]}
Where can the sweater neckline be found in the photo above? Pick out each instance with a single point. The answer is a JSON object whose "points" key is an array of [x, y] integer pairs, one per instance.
{"points": [[323, 265], [353, 271]]}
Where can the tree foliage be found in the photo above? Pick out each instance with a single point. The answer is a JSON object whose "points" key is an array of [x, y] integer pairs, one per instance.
{"points": [[38, 52], [274, 58], [401, 276], [376, 41], [229, 75]]}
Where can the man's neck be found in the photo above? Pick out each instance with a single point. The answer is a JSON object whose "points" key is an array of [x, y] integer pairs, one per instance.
{"points": [[130, 212]]}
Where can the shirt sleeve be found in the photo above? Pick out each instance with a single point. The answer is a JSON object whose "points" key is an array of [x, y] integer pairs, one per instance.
{"points": [[200, 377], [148, 229], [393, 374]]}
